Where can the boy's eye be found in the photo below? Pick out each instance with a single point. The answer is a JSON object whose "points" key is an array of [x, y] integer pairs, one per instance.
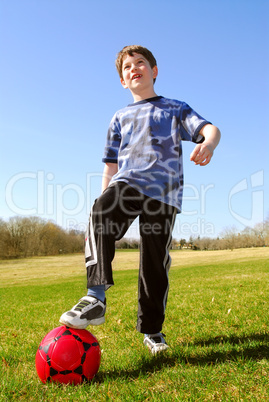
{"points": [[126, 67]]}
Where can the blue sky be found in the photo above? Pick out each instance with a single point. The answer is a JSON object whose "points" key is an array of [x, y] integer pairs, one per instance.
{"points": [[60, 89]]}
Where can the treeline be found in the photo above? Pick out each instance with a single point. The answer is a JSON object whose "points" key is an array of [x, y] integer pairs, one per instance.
{"points": [[126, 243], [230, 238], [33, 236], [22, 237]]}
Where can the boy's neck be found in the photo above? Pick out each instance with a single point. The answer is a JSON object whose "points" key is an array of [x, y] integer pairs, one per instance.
{"points": [[139, 96]]}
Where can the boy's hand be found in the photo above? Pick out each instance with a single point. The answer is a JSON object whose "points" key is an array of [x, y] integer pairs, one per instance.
{"points": [[201, 155]]}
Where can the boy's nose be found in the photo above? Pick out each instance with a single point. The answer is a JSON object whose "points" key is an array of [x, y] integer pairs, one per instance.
{"points": [[133, 67]]}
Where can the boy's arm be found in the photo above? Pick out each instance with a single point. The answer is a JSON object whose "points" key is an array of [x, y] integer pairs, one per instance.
{"points": [[202, 153], [109, 170]]}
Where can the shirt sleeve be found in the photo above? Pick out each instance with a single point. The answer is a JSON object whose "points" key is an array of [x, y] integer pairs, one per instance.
{"points": [[191, 124], [112, 142]]}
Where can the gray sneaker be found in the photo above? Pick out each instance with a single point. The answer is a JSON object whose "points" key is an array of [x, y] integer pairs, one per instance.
{"points": [[88, 311], [156, 343]]}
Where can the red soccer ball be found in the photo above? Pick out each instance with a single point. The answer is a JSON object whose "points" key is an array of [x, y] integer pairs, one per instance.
{"points": [[68, 356]]}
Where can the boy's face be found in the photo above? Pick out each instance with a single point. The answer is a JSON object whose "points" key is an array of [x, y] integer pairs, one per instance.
{"points": [[137, 74]]}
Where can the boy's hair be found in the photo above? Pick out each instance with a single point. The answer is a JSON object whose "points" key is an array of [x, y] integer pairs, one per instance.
{"points": [[130, 50]]}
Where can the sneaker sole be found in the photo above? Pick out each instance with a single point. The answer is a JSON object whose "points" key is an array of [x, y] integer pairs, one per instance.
{"points": [[156, 348], [95, 322], [160, 349]]}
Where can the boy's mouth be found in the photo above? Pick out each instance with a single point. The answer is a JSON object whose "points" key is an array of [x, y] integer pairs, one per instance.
{"points": [[136, 76]]}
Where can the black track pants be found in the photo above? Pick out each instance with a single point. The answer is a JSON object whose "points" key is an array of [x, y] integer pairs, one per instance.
{"points": [[112, 214]]}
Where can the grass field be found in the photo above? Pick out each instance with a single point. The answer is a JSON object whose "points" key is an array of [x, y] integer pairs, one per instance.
{"points": [[217, 326]]}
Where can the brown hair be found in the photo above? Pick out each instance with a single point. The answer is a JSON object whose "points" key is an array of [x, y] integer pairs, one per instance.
{"points": [[130, 50]]}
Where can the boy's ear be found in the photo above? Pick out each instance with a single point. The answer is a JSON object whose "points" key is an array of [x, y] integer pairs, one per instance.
{"points": [[155, 71], [123, 83]]}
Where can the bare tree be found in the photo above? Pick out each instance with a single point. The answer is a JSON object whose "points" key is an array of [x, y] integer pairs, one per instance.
{"points": [[230, 235]]}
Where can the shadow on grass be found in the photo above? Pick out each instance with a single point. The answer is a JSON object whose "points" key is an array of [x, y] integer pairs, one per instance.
{"points": [[250, 347], [233, 340]]}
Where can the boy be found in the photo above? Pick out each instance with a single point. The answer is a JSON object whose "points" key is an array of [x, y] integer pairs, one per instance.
{"points": [[143, 177]]}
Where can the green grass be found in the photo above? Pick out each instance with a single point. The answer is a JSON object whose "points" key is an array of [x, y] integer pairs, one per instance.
{"points": [[217, 326]]}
